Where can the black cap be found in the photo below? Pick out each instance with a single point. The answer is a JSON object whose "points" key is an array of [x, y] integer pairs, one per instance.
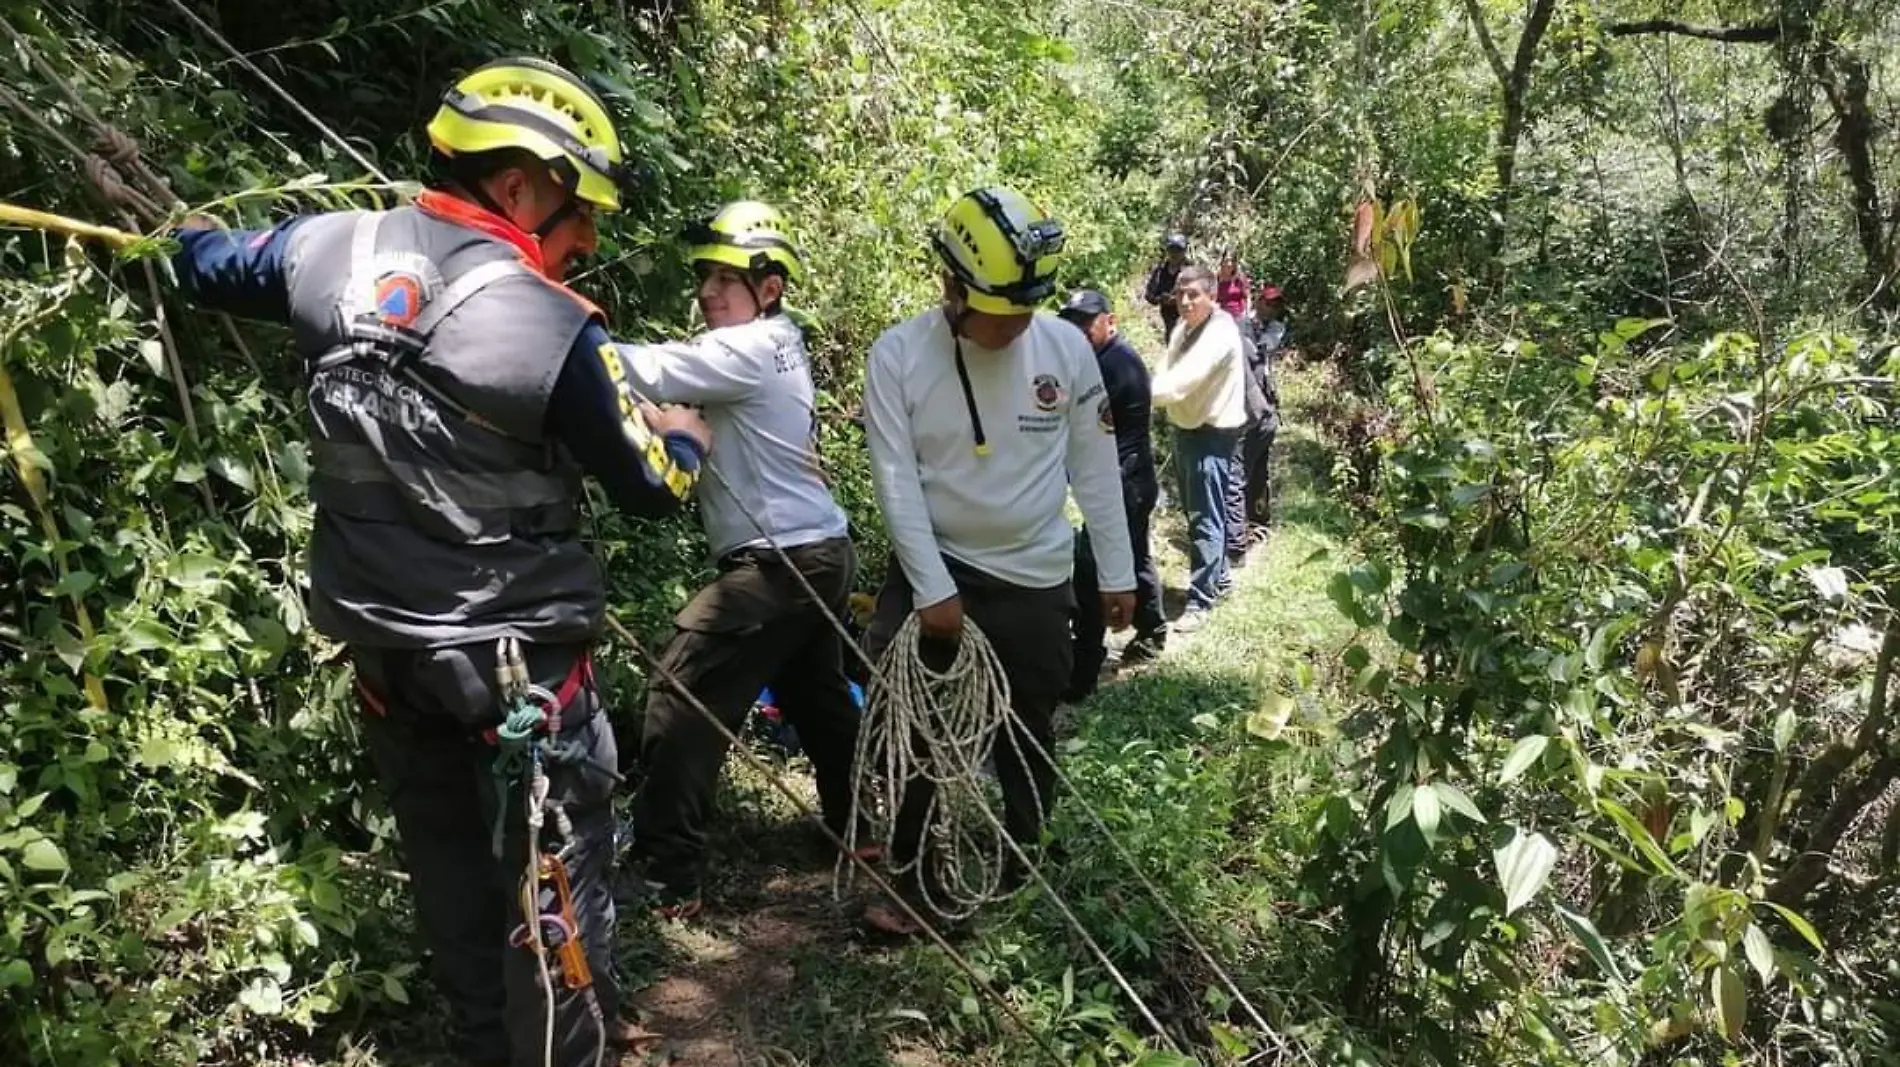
{"points": [[1083, 305], [1175, 242]]}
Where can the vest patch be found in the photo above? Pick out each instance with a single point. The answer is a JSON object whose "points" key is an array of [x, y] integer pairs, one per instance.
{"points": [[405, 284], [398, 299]]}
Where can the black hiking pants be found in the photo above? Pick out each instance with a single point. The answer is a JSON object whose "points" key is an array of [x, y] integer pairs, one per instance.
{"points": [[1258, 448], [1091, 629], [424, 715]]}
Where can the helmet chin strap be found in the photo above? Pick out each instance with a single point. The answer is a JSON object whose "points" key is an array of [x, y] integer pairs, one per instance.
{"points": [[559, 215]]}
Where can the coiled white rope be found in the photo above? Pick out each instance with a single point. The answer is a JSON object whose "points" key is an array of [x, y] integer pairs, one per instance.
{"points": [[924, 725]]}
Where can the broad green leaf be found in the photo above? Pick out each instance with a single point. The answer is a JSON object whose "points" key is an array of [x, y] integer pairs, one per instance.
{"points": [[1399, 806], [1270, 722], [393, 989], [195, 573], [1592, 941], [1523, 754], [16, 973], [1731, 1000], [1230, 1041], [1454, 798], [235, 471], [1427, 810], [1639, 836], [1524, 866], [1784, 729], [262, 997], [1830, 582], [145, 635], [1761, 954], [1801, 926], [158, 752], [75, 583], [43, 855], [153, 352], [68, 647]]}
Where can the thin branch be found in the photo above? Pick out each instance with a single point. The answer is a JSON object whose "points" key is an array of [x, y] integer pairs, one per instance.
{"points": [[1764, 34], [1484, 38]]}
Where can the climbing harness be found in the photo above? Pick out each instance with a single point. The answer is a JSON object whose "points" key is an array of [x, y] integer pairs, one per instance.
{"points": [[549, 929]]}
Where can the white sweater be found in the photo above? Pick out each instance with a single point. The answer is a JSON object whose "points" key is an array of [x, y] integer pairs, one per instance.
{"points": [[1042, 406], [1206, 385], [755, 384]]}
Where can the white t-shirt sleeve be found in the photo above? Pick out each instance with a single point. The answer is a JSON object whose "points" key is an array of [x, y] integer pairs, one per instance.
{"points": [[705, 370], [895, 476], [1095, 470]]}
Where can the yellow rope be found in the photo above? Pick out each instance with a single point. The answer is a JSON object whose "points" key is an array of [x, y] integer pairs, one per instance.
{"points": [[25, 454], [46, 220]]}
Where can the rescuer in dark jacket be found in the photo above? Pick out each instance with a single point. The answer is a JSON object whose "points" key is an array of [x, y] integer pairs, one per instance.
{"points": [[457, 391], [1125, 408]]}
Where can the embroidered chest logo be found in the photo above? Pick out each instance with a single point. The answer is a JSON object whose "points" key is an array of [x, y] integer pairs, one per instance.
{"points": [[1046, 391]]}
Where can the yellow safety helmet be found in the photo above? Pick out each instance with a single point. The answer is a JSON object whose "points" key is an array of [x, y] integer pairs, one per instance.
{"points": [[538, 106], [749, 235], [1002, 247]]}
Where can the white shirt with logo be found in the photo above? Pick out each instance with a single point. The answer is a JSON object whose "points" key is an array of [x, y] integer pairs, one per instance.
{"points": [[755, 383], [1041, 403]]}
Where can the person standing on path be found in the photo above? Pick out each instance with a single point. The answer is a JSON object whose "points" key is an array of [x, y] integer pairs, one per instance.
{"points": [[1202, 387], [754, 625], [981, 416], [1268, 329], [1231, 294], [1159, 291], [457, 391], [1231, 286], [1125, 410]]}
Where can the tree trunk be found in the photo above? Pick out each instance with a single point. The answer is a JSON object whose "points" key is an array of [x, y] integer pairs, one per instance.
{"points": [[1844, 78], [1517, 105]]}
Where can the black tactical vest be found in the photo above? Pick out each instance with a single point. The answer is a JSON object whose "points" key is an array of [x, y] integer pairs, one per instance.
{"points": [[444, 514]]}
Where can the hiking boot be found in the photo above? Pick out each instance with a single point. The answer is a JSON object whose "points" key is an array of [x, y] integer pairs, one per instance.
{"points": [[1143, 647], [663, 899]]}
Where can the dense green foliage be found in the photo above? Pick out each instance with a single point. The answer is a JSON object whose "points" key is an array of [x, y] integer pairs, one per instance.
{"points": [[1593, 757]]}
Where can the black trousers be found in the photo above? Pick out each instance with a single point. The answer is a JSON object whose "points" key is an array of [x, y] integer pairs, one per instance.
{"points": [[1257, 448], [1029, 628], [753, 626], [424, 712], [1091, 629], [1236, 502]]}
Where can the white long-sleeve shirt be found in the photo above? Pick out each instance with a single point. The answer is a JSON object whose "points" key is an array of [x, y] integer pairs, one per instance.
{"points": [[1204, 383], [754, 382], [1044, 414]]}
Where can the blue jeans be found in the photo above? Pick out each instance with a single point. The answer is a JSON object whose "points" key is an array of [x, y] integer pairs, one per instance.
{"points": [[1204, 458]]}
